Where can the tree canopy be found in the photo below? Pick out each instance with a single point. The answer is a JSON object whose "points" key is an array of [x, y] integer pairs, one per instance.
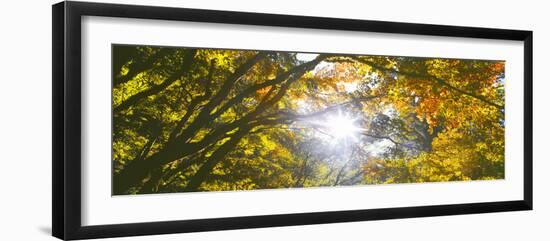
{"points": [[192, 119]]}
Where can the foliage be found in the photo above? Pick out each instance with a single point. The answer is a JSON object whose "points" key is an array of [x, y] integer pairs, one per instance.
{"points": [[214, 120]]}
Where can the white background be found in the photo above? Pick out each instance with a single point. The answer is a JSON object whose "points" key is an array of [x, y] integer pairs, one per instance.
{"points": [[25, 126]]}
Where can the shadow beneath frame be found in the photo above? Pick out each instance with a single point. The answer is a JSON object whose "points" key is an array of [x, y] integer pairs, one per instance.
{"points": [[45, 230]]}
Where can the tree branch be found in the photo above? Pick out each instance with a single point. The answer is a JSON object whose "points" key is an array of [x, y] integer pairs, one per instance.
{"points": [[204, 117], [132, 100], [430, 77], [138, 67], [194, 103], [277, 80]]}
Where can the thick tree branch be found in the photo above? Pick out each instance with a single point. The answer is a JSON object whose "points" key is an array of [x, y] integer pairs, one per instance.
{"points": [[132, 100], [277, 80], [194, 103], [204, 117], [430, 77], [139, 66], [243, 130]]}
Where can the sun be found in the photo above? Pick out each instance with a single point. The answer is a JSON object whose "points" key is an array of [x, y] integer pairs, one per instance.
{"points": [[340, 126]]}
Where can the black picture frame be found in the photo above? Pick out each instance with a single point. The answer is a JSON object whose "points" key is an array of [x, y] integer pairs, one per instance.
{"points": [[66, 47]]}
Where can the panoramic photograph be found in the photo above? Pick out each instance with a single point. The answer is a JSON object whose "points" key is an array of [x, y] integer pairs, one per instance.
{"points": [[188, 119]]}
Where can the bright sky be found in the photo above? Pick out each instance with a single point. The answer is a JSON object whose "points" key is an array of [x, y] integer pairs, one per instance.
{"points": [[339, 127], [306, 57]]}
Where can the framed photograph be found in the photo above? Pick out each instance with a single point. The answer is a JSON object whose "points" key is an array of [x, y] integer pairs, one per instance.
{"points": [[169, 120]]}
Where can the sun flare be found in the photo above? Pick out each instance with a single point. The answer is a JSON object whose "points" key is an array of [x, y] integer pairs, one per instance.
{"points": [[340, 126]]}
